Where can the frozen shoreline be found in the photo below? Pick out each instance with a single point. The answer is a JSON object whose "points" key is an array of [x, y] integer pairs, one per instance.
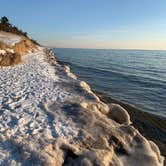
{"points": [[48, 116], [151, 126]]}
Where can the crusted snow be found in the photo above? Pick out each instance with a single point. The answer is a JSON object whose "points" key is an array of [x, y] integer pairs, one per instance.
{"points": [[9, 39], [2, 52], [25, 92], [10, 50]]}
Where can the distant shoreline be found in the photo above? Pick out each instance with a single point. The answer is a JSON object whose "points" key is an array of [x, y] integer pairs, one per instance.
{"points": [[153, 127]]}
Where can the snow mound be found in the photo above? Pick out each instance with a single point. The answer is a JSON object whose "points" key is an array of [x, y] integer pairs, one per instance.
{"points": [[119, 114]]}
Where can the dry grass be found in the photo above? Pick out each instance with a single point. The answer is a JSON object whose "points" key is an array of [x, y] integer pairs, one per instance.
{"points": [[10, 59], [3, 46], [21, 48]]}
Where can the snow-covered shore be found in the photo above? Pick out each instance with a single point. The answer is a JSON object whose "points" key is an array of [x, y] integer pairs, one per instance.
{"points": [[48, 117]]}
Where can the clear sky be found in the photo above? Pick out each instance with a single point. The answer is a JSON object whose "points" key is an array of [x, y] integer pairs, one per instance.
{"points": [[135, 24]]}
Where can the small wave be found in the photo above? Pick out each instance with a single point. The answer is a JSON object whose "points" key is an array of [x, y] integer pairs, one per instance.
{"points": [[136, 78]]}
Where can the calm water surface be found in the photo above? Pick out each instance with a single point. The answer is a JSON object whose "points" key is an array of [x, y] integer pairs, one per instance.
{"points": [[135, 77]]}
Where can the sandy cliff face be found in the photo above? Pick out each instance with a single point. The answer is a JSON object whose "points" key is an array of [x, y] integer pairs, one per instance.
{"points": [[49, 117]]}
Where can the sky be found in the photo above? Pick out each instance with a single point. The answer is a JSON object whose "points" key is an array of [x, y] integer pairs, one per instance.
{"points": [[114, 24]]}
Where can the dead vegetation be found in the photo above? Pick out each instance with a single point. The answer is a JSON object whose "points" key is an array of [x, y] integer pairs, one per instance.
{"points": [[9, 59], [3, 46], [11, 55], [24, 46], [19, 49]]}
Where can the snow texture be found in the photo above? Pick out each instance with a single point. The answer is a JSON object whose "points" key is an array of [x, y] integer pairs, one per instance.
{"points": [[2, 52], [25, 90], [9, 39], [48, 117]]}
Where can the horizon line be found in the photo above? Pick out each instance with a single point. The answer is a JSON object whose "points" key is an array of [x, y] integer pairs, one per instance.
{"points": [[138, 49]]}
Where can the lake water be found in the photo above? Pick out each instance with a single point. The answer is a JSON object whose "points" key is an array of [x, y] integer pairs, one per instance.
{"points": [[131, 76]]}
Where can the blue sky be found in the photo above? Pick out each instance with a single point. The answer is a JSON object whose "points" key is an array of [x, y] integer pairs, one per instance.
{"points": [[135, 24]]}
